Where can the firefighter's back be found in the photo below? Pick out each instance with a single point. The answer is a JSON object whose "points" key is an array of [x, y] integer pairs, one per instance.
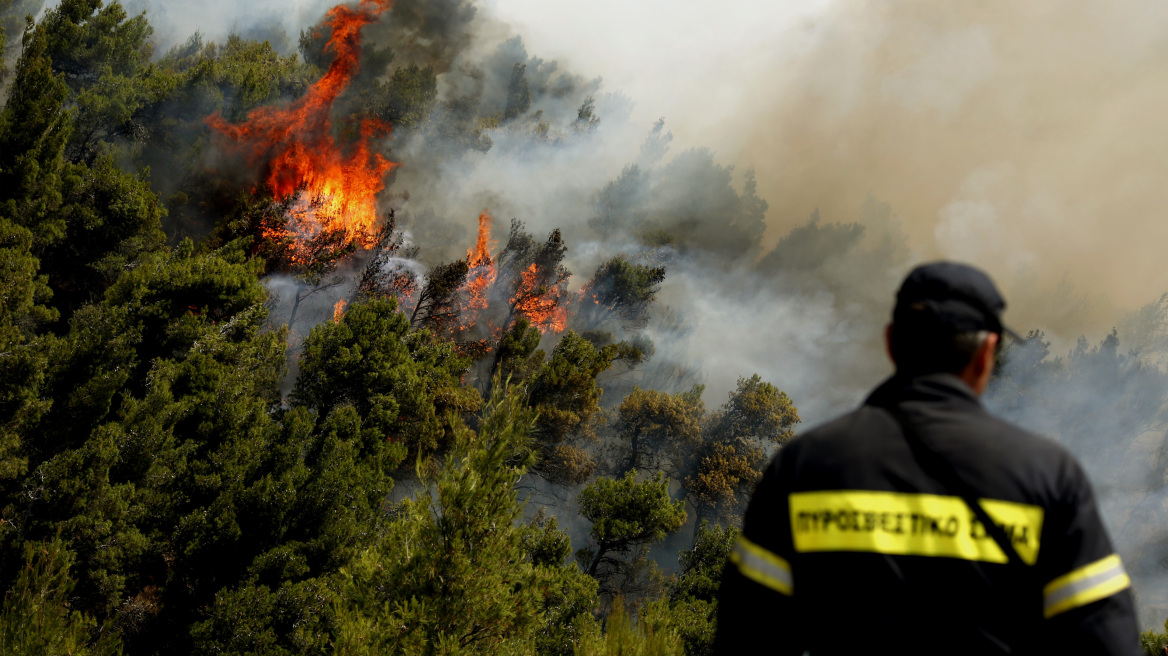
{"points": [[885, 547], [921, 524]]}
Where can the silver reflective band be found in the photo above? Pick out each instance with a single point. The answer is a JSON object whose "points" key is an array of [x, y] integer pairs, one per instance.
{"points": [[1091, 582], [762, 566]]}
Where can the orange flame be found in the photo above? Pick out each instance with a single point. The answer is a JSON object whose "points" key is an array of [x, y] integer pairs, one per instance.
{"points": [[585, 291], [481, 269], [546, 308], [301, 153], [339, 310]]}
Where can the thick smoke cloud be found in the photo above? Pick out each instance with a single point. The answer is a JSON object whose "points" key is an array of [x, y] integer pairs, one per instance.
{"points": [[1024, 137]]}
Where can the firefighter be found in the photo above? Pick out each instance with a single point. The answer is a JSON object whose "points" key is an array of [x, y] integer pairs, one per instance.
{"points": [[920, 523]]}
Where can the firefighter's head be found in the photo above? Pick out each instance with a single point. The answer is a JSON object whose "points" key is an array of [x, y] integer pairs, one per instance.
{"points": [[947, 319]]}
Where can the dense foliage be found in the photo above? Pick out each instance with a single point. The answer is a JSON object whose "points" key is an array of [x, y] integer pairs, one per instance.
{"points": [[181, 473]]}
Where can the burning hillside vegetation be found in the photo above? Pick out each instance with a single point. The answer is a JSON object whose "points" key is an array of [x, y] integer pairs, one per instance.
{"points": [[395, 335]]}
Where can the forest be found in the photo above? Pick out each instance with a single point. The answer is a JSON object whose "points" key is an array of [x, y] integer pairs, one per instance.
{"points": [[276, 377]]}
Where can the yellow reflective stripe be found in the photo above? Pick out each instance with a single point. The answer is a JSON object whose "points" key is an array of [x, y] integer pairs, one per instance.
{"points": [[910, 524], [762, 566], [1091, 582]]}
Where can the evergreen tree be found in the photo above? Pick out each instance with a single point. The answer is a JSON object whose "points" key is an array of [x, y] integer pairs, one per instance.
{"points": [[622, 202], [688, 190], [455, 572], [693, 594], [437, 307], [112, 220], [189, 499], [518, 93], [34, 128], [653, 633], [756, 410], [36, 620], [662, 431], [404, 384], [406, 99], [625, 514], [564, 390], [737, 437], [620, 293], [518, 353], [22, 355]]}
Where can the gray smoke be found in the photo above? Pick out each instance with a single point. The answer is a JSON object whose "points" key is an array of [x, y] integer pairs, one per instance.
{"points": [[1105, 402]]}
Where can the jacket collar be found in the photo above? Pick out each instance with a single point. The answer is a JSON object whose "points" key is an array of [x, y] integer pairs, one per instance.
{"points": [[928, 388]]}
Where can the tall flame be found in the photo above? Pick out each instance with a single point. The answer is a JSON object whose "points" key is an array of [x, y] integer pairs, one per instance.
{"points": [[339, 310], [299, 151], [481, 269]]}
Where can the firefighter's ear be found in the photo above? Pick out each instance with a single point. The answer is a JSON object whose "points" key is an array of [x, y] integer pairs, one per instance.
{"points": [[977, 373], [989, 350]]}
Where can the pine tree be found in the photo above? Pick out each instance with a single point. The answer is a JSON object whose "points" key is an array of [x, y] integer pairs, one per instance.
{"points": [[456, 572], [625, 514], [22, 354], [34, 128], [36, 619], [619, 295], [653, 633], [756, 417], [662, 430], [404, 384], [693, 591]]}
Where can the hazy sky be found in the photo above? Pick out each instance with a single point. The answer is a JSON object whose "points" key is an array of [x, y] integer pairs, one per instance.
{"points": [[1024, 137], [695, 63]]}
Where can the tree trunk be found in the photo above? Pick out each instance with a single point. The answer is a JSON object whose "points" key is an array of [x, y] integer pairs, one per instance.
{"points": [[601, 549], [295, 307]]}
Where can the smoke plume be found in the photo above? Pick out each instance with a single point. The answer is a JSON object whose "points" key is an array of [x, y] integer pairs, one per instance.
{"points": [[1022, 137]]}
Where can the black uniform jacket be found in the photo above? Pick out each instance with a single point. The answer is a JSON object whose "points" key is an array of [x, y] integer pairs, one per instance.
{"points": [[850, 547]]}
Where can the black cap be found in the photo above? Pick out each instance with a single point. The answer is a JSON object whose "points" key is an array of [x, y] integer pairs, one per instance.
{"points": [[951, 297]]}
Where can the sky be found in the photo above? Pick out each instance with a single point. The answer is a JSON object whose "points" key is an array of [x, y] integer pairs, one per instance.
{"points": [[697, 64], [1023, 137]]}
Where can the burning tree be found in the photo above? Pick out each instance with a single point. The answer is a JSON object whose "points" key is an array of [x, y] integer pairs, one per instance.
{"points": [[312, 262], [272, 493], [481, 271], [333, 191], [148, 438], [534, 280], [387, 274]]}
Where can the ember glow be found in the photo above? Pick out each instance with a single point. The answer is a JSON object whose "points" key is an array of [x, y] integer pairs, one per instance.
{"points": [[337, 186], [546, 307]]}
